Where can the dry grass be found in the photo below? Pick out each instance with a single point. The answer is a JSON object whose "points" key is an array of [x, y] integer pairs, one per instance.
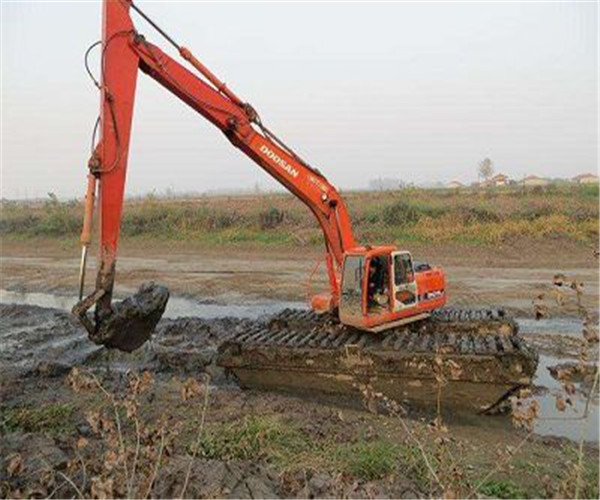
{"points": [[145, 435], [473, 216]]}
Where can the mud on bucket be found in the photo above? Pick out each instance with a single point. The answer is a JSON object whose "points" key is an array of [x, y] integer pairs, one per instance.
{"points": [[132, 320]]}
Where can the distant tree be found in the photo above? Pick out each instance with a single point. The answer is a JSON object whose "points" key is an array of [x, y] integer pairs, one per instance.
{"points": [[170, 193], [384, 184], [485, 169]]}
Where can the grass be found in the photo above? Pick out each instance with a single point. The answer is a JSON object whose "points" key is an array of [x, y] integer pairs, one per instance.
{"points": [[369, 460], [252, 439], [590, 475], [502, 488], [472, 216], [415, 465], [293, 449], [289, 448], [526, 478], [52, 418]]}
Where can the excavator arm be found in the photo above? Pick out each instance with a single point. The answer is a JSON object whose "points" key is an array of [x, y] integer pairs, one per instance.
{"points": [[124, 51]]}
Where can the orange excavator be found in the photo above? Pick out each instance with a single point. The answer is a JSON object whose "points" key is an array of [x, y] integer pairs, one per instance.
{"points": [[373, 290], [372, 287]]}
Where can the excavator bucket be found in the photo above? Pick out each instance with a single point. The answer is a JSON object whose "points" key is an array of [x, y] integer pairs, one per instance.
{"points": [[129, 323]]}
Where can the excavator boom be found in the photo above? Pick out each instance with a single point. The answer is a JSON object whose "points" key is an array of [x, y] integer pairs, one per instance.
{"points": [[124, 51]]}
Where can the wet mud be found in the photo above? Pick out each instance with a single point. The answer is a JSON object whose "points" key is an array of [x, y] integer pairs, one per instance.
{"points": [[221, 294], [38, 340], [39, 346], [233, 277], [131, 322], [44, 341], [47, 342]]}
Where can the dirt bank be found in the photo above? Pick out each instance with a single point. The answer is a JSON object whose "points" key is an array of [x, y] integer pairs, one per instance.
{"points": [[509, 277]]}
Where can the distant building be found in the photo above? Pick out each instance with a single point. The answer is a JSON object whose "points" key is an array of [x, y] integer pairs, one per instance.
{"points": [[534, 180], [499, 180], [455, 185], [586, 179]]}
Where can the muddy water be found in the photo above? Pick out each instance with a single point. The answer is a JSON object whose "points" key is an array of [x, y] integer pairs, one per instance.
{"points": [[551, 422], [177, 307], [549, 326], [568, 423]]}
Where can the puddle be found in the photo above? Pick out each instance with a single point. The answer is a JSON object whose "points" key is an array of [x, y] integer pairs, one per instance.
{"points": [[567, 423], [562, 326], [177, 307], [37, 299]]}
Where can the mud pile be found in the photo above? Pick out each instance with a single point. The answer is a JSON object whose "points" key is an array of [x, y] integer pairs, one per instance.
{"points": [[38, 339], [130, 322], [44, 341]]}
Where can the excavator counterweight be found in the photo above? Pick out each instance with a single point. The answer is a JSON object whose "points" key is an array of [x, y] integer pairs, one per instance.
{"points": [[375, 292]]}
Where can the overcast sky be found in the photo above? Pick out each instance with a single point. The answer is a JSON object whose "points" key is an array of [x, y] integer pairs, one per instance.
{"points": [[415, 91]]}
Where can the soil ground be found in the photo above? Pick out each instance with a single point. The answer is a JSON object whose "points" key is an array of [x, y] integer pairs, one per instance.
{"points": [[253, 444], [508, 276]]}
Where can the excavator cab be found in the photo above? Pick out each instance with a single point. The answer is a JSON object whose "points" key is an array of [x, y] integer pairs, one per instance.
{"points": [[380, 289]]}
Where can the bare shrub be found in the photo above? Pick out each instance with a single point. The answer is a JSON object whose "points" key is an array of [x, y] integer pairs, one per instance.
{"points": [[271, 218]]}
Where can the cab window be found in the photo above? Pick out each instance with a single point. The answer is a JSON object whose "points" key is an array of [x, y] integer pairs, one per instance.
{"points": [[352, 278], [403, 269], [352, 284]]}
